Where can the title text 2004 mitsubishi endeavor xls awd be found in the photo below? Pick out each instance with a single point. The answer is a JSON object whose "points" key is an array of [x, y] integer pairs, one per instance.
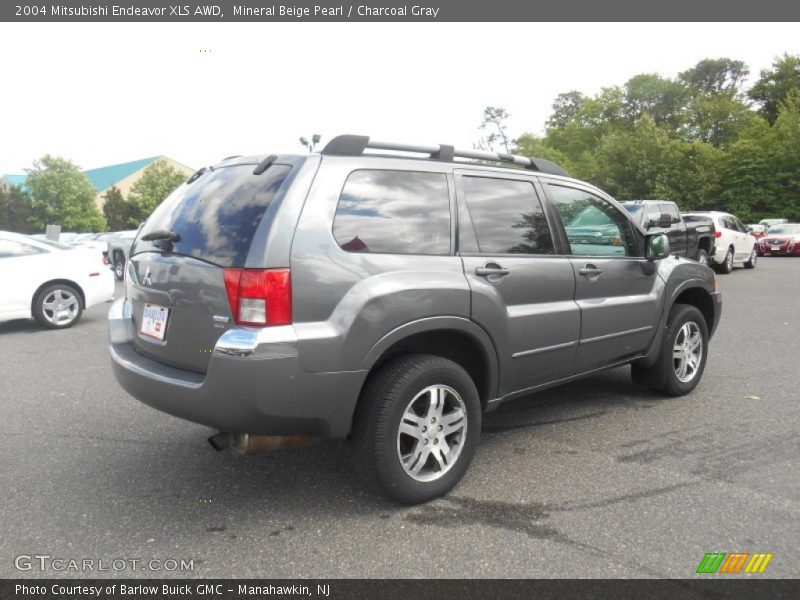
{"points": [[393, 300]]}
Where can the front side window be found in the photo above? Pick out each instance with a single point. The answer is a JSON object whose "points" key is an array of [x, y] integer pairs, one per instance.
{"points": [[594, 227], [508, 216], [10, 249], [394, 212]]}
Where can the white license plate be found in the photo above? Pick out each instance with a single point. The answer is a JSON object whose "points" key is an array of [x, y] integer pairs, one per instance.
{"points": [[775, 248], [154, 321]]}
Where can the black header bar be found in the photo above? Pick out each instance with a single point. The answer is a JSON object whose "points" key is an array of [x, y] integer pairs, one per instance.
{"points": [[398, 10]]}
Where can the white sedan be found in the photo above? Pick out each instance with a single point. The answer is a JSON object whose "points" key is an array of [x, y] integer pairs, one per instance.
{"points": [[50, 282]]}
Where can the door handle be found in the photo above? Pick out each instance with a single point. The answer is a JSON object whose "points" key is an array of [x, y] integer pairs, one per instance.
{"points": [[491, 271], [591, 272]]}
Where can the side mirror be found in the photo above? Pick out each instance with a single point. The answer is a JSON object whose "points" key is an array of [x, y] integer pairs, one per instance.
{"points": [[749, 230], [664, 221], [656, 247]]}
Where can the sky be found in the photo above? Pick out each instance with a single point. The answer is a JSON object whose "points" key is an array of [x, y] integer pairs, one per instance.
{"points": [[104, 93]]}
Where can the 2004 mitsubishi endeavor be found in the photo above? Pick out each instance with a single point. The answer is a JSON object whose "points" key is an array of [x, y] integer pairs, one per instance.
{"points": [[367, 293]]}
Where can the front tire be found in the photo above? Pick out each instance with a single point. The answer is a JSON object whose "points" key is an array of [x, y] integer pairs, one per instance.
{"points": [[702, 257], [684, 350], [57, 306], [417, 428], [751, 262]]}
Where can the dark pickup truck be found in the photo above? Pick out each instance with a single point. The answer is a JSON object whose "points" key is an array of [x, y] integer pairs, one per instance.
{"points": [[693, 239]]}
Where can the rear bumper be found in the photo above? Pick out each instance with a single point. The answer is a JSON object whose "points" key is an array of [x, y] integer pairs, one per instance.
{"points": [[254, 383]]}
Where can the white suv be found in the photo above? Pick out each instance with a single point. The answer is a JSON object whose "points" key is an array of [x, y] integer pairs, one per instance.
{"points": [[734, 246]]}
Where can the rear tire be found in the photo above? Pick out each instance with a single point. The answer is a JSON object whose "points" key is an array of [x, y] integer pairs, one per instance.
{"points": [[400, 436], [57, 306], [751, 263], [726, 266]]}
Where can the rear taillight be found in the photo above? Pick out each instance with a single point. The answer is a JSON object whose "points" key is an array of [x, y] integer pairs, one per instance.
{"points": [[717, 234], [106, 262], [259, 296]]}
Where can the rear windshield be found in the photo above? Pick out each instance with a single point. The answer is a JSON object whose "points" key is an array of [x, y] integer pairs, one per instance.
{"points": [[217, 215]]}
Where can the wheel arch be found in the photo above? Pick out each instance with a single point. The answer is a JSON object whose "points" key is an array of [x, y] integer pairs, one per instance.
{"points": [[455, 338]]}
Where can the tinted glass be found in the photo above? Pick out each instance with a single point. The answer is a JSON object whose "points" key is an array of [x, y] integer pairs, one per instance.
{"points": [[217, 215], [507, 216], [394, 212], [9, 249], [672, 211], [594, 227]]}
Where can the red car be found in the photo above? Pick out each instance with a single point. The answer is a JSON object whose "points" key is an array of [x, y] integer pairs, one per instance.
{"points": [[782, 239]]}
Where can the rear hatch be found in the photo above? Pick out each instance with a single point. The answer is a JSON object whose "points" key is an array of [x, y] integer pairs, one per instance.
{"points": [[176, 282]]}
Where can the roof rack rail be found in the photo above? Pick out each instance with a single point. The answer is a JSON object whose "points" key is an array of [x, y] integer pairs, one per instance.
{"points": [[355, 145]]}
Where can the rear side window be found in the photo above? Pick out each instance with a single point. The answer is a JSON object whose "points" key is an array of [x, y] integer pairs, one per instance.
{"points": [[507, 215], [216, 216], [394, 212], [9, 249]]}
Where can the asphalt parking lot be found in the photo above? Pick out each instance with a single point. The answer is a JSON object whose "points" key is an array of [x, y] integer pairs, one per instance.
{"points": [[594, 479]]}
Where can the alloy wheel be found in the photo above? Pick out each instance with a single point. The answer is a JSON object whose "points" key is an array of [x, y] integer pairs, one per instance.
{"points": [[687, 351], [60, 307], [432, 433]]}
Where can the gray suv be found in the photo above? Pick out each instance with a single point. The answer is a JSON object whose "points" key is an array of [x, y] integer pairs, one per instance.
{"points": [[391, 300]]}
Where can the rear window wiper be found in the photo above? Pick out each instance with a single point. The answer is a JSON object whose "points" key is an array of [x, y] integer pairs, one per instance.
{"points": [[162, 239], [161, 235]]}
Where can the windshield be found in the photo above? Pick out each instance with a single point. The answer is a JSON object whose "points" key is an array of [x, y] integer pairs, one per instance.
{"points": [[791, 229]]}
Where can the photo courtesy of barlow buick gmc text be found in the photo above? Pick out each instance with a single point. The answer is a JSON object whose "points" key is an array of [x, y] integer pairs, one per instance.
{"points": [[447, 300]]}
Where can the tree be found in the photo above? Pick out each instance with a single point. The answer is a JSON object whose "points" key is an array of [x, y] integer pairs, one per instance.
{"points": [[775, 85], [718, 119], [716, 75], [157, 182], [494, 121], [630, 163], [119, 213], [62, 195], [662, 99], [15, 211], [566, 107]]}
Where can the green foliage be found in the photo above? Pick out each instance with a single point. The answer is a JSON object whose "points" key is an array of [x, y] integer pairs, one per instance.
{"points": [[119, 213], [494, 126], [156, 183], [775, 85], [692, 139], [15, 211], [716, 76], [62, 195]]}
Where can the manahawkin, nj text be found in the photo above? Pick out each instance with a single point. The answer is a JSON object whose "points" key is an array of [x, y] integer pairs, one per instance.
{"points": [[238, 11]]}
